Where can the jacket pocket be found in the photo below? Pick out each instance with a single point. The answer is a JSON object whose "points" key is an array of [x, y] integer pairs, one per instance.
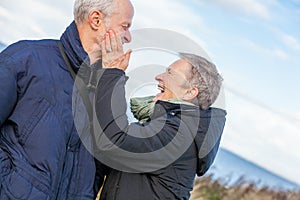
{"points": [[5, 164], [24, 183]]}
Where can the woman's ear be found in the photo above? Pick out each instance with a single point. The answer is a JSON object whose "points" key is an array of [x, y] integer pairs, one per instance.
{"points": [[190, 94], [95, 19]]}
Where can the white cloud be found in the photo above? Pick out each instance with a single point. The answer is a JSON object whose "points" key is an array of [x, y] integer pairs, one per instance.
{"points": [[48, 19], [246, 7], [40, 19], [165, 14], [278, 53], [264, 136], [291, 42], [269, 52], [171, 15]]}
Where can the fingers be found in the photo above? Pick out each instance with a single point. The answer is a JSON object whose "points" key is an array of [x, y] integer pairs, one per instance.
{"points": [[112, 52], [113, 41], [122, 62], [108, 45], [125, 60], [119, 43]]}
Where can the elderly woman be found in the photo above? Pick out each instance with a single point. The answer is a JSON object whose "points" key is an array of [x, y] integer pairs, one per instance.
{"points": [[178, 138]]}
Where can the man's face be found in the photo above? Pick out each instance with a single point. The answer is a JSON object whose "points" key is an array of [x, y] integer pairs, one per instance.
{"points": [[120, 21], [173, 83]]}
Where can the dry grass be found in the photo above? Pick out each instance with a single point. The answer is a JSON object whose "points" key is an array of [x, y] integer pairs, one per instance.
{"points": [[205, 188]]}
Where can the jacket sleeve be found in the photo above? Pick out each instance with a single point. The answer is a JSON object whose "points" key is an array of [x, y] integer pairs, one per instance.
{"points": [[208, 140], [8, 96], [8, 85], [205, 162], [135, 145]]}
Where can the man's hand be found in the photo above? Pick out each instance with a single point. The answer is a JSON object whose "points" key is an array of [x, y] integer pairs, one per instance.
{"points": [[112, 52]]}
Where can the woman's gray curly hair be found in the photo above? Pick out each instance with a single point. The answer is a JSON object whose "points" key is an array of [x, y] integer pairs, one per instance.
{"points": [[205, 77], [82, 8]]}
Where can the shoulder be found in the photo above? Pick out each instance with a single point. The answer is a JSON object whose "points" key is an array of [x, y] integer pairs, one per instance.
{"points": [[213, 112], [25, 48], [19, 56]]}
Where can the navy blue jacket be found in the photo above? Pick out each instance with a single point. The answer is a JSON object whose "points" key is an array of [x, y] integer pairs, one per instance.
{"points": [[41, 154], [146, 160]]}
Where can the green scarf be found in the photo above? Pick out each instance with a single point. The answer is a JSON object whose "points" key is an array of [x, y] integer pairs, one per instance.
{"points": [[143, 107]]}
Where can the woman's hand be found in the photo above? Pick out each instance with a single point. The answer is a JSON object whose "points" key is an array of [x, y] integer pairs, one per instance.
{"points": [[112, 52]]}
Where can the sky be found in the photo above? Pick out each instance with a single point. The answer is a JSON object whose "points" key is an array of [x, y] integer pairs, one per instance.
{"points": [[254, 43]]}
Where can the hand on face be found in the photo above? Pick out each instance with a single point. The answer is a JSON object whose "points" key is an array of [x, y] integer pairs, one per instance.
{"points": [[112, 52]]}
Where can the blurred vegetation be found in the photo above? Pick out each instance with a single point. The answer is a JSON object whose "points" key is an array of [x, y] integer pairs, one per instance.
{"points": [[206, 188]]}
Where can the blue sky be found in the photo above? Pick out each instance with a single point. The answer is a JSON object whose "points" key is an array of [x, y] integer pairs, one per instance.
{"points": [[254, 43]]}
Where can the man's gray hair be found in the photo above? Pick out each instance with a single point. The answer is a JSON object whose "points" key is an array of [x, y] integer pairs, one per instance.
{"points": [[82, 8], [205, 77]]}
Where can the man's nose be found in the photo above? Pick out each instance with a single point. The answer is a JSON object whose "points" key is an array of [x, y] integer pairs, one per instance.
{"points": [[127, 37]]}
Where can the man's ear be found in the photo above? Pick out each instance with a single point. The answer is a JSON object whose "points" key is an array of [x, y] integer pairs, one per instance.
{"points": [[95, 19], [190, 94]]}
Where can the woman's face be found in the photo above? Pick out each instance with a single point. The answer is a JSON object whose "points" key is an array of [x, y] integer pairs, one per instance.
{"points": [[174, 82]]}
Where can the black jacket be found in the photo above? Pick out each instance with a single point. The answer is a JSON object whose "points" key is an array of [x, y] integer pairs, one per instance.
{"points": [[160, 158]]}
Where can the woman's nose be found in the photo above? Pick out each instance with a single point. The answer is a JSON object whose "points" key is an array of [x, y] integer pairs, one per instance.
{"points": [[158, 77]]}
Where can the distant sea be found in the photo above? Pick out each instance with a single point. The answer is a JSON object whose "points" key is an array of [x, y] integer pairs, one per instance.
{"points": [[229, 168]]}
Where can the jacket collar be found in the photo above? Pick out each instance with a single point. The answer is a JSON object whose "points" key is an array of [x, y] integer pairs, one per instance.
{"points": [[73, 47], [78, 57], [163, 107]]}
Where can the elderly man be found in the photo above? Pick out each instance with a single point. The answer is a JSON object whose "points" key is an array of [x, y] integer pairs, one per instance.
{"points": [[182, 130], [41, 154]]}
